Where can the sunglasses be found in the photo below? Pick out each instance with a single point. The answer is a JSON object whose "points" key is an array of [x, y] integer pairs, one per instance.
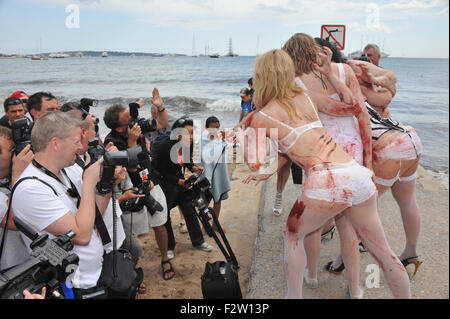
{"points": [[183, 122], [14, 101]]}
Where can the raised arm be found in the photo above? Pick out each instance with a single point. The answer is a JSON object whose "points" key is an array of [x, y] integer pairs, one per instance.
{"points": [[370, 73], [158, 110]]}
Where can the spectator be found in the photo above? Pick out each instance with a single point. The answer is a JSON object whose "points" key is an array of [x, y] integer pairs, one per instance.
{"points": [[53, 208], [374, 53], [170, 152], [40, 103], [14, 110], [246, 103], [24, 98], [213, 157], [14, 251]]}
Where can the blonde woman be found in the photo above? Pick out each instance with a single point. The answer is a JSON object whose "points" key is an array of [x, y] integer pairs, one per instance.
{"points": [[352, 133], [335, 181]]}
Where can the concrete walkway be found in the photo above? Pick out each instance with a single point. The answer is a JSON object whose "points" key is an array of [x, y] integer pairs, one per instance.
{"points": [[432, 280]]}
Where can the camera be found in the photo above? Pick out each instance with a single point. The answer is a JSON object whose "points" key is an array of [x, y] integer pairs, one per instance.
{"points": [[147, 126], [21, 132], [364, 58], [141, 180], [127, 158], [50, 263], [95, 150]]}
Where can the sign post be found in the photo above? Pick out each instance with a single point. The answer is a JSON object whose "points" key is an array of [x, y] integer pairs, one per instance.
{"points": [[334, 34]]}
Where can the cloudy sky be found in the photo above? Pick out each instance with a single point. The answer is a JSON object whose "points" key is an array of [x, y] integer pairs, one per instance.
{"points": [[404, 28]]}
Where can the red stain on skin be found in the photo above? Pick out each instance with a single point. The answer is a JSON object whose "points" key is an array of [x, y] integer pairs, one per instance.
{"points": [[293, 221]]}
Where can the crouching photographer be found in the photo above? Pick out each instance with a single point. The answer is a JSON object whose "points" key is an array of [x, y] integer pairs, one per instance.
{"points": [[48, 200]]}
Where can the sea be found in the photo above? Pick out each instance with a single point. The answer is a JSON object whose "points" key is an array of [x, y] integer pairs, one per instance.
{"points": [[201, 87]]}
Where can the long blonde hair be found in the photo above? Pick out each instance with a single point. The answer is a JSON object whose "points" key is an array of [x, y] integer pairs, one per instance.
{"points": [[303, 50], [274, 80]]}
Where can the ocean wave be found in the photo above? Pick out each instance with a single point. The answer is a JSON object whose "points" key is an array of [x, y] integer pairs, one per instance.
{"points": [[225, 105], [441, 176]]}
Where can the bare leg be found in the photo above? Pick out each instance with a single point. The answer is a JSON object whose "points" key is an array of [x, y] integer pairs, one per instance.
{"points": [[162, 242], [365, 220], [312, 249], [306, 217], [405, 195], [282, 177]]}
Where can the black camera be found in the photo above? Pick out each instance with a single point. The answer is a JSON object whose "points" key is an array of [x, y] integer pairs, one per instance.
{"points": [[141, 180], [21, 132], [95, 150], [127, 158], [364, 58], [147, 126], [49, 265]]}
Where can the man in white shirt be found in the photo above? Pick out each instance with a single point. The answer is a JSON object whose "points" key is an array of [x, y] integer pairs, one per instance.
{"points": [[56, 140]]}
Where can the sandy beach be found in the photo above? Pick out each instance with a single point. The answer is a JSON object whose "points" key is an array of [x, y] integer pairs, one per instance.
{"points": [[239, 218]]}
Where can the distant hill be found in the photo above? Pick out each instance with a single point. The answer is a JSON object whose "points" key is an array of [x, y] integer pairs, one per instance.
{"points": [[98, 53]]}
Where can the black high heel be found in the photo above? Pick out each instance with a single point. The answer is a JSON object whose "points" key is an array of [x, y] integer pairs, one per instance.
{"points": [[416, 262], [328, 233], [337, 271]]}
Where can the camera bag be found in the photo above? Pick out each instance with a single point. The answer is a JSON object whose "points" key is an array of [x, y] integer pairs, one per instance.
{"points": [[220, 279]]}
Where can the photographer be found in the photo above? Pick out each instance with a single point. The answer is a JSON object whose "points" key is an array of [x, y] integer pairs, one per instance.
{"points": [[15, 251], [117, 118], [170, 152], [14, 110], [53, 206], [75, 172], [40, 103]]}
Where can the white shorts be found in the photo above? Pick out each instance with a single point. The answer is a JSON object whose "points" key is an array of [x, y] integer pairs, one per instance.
{"points": [[400, 146], [348, 183]]}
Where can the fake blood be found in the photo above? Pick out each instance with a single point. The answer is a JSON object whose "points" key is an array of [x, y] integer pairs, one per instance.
{"points": [[293, 221]]}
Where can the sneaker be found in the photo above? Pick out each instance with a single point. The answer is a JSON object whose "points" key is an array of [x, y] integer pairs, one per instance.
{"points": [[205, 247], [310, 283], [362, 248], [170, 254]]}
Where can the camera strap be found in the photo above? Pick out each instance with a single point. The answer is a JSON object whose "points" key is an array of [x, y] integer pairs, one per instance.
{"points": [[73, 192]]}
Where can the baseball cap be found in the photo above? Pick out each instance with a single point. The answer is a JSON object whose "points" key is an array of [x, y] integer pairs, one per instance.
{"points": [[19, 94], [244, 92]]}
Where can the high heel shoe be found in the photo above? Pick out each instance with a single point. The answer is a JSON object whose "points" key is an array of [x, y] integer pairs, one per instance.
{"points": [[277, 207], [310, 283], [407, 261], [328, 233], [337, 271]]}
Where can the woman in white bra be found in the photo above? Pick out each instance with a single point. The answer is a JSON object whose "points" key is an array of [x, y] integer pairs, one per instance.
{"points": [[396, 153], [352, 133], [335, 181]]}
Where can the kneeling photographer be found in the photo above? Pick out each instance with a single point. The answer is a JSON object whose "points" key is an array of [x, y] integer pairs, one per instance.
{"points": [[171, 152], [52, 205]]}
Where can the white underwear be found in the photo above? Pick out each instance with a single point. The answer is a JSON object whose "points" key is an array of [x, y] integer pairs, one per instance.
{"points": [[348, 183], [390, 182], [405, 146]]}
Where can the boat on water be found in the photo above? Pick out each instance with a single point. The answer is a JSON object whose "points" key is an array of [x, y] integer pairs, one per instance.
{"points": [[358, 53], [214, 56], [230, 53], [104, 54], [58, 55]]}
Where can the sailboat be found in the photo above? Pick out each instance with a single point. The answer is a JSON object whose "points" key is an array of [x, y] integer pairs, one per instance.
{"points": [[230, 49]]}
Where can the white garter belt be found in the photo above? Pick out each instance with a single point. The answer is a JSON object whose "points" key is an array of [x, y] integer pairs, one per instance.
{"points": [[390, 182], [348, 183]]}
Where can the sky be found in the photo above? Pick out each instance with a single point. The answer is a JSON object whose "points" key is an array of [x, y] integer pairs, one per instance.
{"points": [[402, 28]]}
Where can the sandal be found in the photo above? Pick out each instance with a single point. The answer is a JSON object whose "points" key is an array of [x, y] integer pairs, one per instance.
{"points": [[407, 261], [337, 271], [168, 270]]}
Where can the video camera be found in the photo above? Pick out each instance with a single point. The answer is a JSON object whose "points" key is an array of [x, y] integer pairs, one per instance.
{"points": [[85, 107], [147, 126], [21, 133], [50, 264], [364, 58]]}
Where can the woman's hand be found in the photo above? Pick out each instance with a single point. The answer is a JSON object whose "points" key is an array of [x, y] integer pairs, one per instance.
{"points": [[325, 58], [258, 178], [198, 169], [129, 194]]}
